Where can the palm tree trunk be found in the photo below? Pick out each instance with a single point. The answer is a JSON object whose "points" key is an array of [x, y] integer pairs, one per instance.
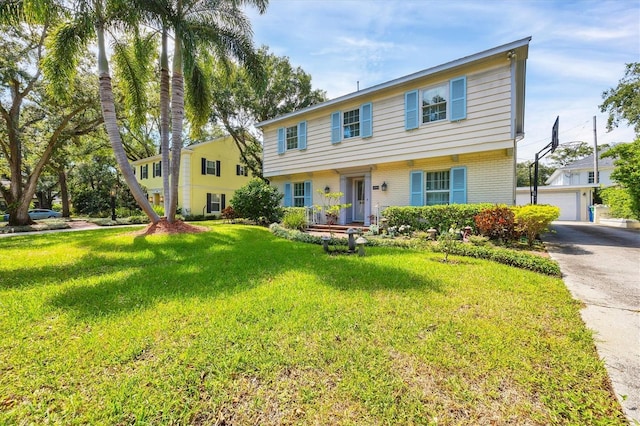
{"points": [[177, 116], [109, 113], [164, 122]]}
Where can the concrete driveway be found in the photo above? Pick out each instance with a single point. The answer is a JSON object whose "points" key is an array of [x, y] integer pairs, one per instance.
{"points": [[601, 267]]}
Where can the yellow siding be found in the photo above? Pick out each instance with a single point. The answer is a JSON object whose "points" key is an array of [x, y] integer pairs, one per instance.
{"points": [[486, 128], [194, 186]]}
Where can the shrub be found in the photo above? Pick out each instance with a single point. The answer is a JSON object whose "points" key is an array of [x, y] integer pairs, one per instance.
{"points": [[158, 209], [531, 220], [513, 258], [438, 217], [620, 202], [228, 213], [497, 223], [295, 218], [258, 201]]}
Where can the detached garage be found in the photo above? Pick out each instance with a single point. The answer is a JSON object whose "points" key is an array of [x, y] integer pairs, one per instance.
{"points": [[573, 201]]}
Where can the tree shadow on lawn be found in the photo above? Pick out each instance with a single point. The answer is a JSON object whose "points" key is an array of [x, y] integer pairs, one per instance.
{"points": [[210, 265]]}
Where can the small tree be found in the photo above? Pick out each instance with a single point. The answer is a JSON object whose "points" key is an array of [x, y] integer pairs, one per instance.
{"points": [[627, 173], [258, 201], [331, 206]]}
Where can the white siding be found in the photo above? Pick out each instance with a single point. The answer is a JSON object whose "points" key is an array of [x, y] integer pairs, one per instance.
{"points": [[487, 127]]}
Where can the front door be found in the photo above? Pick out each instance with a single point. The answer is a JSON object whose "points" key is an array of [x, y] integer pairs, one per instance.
{"points": [[358, 200]]}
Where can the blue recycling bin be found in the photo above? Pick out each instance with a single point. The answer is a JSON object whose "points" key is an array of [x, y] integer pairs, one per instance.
{"points": [[591, 213]]}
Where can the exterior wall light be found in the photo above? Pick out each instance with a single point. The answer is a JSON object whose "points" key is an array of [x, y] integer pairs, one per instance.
{"points": [[383, 186], [327, 189]]}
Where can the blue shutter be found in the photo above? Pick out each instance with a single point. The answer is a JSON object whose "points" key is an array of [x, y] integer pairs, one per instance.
{"points": [[308, 194], [288, 197], [366, 123], [417, 188], [458, 95], [335, 127], [411, 110], [302, 135], [458, 185], [281, 145]]}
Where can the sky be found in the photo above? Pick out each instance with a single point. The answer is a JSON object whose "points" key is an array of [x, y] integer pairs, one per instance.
{"points": [[578, 50]]}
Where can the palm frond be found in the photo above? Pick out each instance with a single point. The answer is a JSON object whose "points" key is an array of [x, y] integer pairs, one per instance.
{"points": [[132, 59], [64, 47]]}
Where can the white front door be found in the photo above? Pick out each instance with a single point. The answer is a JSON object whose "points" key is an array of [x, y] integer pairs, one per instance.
{"points": [[358, 200]]}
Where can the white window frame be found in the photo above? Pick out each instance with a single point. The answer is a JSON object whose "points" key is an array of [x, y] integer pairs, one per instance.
{"points": [[437, 186], [211, 167], [298, 195], [351, 126], [442, 107], [291, 137], [216, 200]]}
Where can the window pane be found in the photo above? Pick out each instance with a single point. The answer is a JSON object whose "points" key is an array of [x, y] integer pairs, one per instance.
{"points": [[298, 194], [434, 104], [351, 123], [292, 137], [211, 167], [437, 185]]}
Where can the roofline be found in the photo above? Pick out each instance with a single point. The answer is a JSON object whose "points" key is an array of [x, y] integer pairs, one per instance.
{"points": [[184, 149], [406, 79]]}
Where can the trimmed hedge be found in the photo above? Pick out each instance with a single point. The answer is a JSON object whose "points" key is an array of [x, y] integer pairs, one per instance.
{"points": [[513, 258], [439, 217]]}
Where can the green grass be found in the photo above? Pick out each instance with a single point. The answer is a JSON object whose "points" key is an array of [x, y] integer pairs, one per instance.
{"points": [[237, 326]]}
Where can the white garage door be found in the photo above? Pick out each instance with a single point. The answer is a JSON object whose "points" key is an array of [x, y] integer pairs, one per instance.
{"points": [[567, 201]]}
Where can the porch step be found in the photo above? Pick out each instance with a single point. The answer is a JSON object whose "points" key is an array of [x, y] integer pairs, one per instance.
{"points": [[337, 229]]}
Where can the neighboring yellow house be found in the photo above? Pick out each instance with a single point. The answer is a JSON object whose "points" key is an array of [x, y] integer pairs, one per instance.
{"points": [[446, 134], [210, 173]]}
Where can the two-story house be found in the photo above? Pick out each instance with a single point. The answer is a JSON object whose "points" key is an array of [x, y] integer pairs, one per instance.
{"points": [[210, 173], [572, 188], [445, 134]]}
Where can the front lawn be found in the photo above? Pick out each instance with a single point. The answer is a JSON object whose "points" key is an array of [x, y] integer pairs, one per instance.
{"points": [[236, 326]]}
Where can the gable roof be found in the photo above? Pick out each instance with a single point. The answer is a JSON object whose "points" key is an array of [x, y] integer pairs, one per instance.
{"points": [[520, 48], [585, 163]]}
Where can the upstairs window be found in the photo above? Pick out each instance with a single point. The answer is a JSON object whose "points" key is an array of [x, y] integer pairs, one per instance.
{"points": [[157, 169], [241, 170], [591, 177], [351, 123], [292, 137], [144, 171], [209, 167], [434, 104]]}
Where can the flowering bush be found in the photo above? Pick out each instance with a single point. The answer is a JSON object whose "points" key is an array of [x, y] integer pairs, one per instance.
{"points": [[405, 230]]}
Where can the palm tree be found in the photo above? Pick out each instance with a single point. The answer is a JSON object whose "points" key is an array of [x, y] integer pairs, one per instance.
{"points": [[200, 29], [83, 20]]}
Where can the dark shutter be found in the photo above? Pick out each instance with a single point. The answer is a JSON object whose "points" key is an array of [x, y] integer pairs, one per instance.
{"points": [[153, 169], [222, 201], [246, 171], [237, 169], [204, 166], [217, 168], [208, 202], [159, 168]]}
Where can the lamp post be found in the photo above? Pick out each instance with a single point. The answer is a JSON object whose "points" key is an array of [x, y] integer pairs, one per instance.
{"points": [[113, 204]]}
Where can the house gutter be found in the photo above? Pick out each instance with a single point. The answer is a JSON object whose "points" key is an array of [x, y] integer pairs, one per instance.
{"points": [[406, 79]]}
